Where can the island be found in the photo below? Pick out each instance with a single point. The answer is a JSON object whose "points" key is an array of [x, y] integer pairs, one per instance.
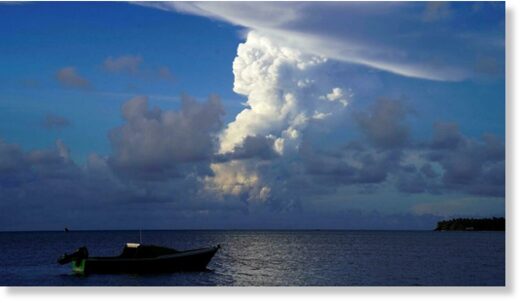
{"points": [[471, 224]]}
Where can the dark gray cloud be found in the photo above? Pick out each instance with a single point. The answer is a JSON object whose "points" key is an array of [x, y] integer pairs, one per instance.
{"points": [[448, 162], [354, 164], [411, 182], [69, 77], [44, 188], [52, 121], [259, 147], [41, 175], [160, 159], [47, 183], [43, 162], [446, 136], [11, 157], [428, 171], [153, 143], [474, 166], [385, 124]]}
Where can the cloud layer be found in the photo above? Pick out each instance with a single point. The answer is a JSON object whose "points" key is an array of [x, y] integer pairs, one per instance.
{"points": [[390, 36], [165, 160], [446, 163]]}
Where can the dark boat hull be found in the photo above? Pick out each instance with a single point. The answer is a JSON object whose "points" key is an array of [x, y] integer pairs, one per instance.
{"points": [[193, 260]]}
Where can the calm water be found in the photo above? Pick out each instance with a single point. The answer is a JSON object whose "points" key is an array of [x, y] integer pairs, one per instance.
{"points": [[272, 257]]}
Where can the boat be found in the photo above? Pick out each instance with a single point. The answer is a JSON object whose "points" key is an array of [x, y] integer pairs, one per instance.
{"points": [[138, 258]]}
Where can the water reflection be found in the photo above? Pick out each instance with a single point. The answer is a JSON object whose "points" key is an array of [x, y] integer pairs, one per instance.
{"points": [[255, 258]]}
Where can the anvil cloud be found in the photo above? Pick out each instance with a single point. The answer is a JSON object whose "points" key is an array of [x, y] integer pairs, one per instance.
{"points": [[391, 36]]}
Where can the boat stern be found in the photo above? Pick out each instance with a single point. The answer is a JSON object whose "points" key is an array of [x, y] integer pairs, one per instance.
{"points": [[78, 266]]}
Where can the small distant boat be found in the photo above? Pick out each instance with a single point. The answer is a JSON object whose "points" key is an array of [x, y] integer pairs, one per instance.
{"points": [[137, 258]]}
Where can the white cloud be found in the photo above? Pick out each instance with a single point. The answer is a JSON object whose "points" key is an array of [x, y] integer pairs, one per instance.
{"points": [[283, 86], [337, 95], [235, 178]]}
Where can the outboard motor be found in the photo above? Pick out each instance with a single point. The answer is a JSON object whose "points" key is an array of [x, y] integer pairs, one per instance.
{"points": [[81, 253]]}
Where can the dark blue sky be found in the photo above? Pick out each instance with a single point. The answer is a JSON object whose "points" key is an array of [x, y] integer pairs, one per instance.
{"points": [[328, 115]]}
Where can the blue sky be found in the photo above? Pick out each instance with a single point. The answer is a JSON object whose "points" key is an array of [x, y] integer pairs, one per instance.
{"points": [[251, 115], [84, 37]]}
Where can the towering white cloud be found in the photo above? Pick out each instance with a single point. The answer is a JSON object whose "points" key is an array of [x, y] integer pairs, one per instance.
{"points": [[285, 89]]}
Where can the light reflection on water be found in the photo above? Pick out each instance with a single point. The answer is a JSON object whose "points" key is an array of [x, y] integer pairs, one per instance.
{"points": [[255, 258]]}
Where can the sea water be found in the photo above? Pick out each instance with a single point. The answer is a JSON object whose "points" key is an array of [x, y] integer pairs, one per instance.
{"points": [[271, 258]]}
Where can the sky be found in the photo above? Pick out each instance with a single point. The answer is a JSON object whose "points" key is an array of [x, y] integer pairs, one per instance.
{"points": [[239, 115]]}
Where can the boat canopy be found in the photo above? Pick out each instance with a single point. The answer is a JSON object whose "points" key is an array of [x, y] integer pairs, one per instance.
{"points": [[133, 250]]}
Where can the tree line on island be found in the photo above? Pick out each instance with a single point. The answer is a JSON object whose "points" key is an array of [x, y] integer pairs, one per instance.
{"points": [[470, 224]]}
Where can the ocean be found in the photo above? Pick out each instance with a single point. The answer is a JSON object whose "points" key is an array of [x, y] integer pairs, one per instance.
{"points": [[270, 258]]}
